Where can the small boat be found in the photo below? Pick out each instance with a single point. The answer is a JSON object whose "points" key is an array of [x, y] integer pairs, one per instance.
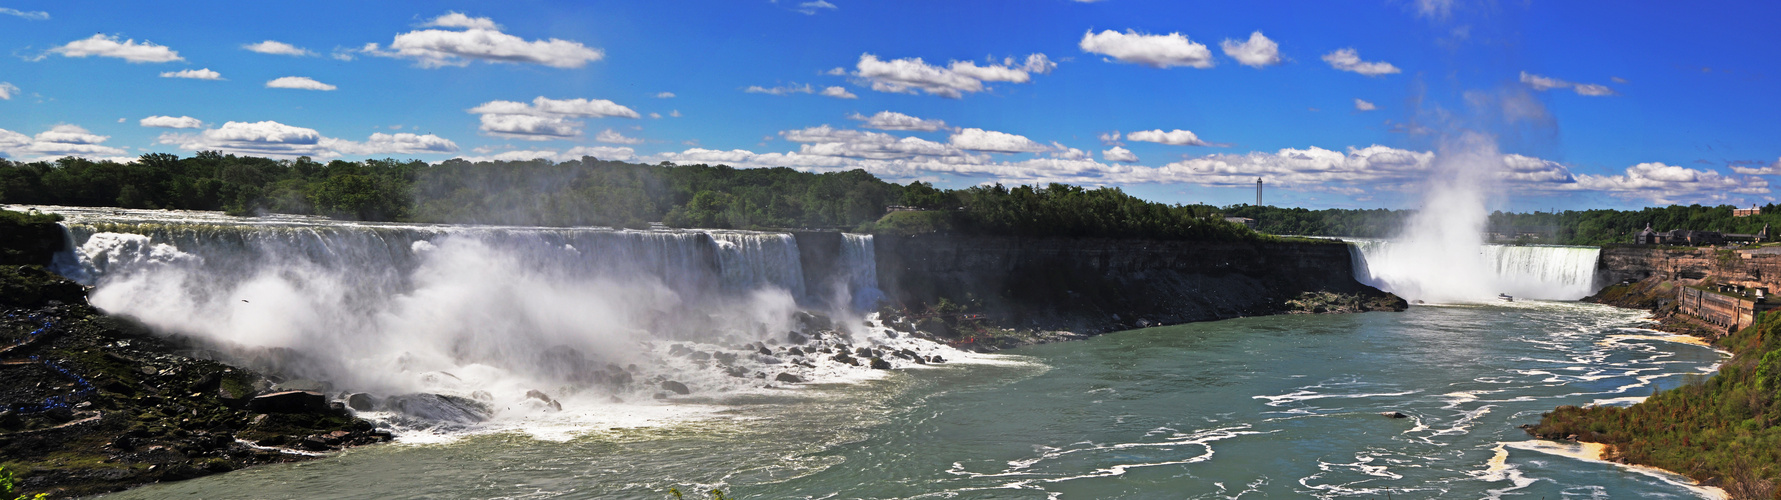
{"points": [[1505, 297]]}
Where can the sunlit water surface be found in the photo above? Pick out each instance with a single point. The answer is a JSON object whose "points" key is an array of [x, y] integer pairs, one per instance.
{"points": [[1282, 407]]}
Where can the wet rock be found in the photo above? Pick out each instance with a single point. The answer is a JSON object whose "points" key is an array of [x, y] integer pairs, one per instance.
{"points": [[880, 364], [865, 352], [699, 356], [788, 378], [679, 350], [360, 401], [737, 372], [796, 338], [766, 352], [289, 402], [844, 358], [439, 408], [725, 357], [795, 351], [538, 395], [303, 385], [660, 395], [677, 387], [1393, 414], [936, 359]]}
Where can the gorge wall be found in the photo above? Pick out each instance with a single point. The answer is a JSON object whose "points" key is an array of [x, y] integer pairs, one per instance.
{"points": [[1622, 263], [1088, 285]]}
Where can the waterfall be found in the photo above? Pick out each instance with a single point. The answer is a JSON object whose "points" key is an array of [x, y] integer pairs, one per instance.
{"points": [[1534, 271], [389, 307]]}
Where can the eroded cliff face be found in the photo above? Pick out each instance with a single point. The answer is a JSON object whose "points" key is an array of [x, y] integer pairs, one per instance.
{"points": [[1098, 285], [1623, 263]]}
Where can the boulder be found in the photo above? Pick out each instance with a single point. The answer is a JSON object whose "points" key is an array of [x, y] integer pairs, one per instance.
{"points": [[788, 378], [360, 401], [796, 338], [1393, 414], [439, 408], [677, 387], [795, 351], [880, 364], [302, 384], [844, 358], [289, 402], [538, 395], [936, 359]]}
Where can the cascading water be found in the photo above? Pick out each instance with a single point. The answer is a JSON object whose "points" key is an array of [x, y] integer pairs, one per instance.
{"points": [[1535, 272], [393, 309]]}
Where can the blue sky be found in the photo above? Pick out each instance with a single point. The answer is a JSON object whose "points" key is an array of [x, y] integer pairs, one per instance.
{"points": [[1336, 104]]}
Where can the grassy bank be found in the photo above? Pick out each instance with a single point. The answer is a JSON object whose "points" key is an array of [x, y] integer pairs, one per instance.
{"points": [[1720, 430]]}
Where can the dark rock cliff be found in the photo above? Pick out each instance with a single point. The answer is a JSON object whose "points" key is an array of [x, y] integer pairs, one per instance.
{"points": [[1098, 285]]}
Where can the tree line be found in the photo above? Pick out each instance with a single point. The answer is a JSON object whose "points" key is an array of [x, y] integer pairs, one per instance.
{"points": [[594, 192], [1568, 227]]}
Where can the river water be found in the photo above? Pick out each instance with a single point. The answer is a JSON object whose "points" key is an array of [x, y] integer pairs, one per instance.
{"points": [[1282, 406]]}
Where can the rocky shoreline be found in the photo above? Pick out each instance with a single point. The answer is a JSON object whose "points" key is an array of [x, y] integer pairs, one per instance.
{"points": [[95, 403]]}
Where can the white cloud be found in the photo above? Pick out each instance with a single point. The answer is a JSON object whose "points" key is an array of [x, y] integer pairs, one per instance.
{"points": [[195, 74], [278, 48], [1434, 9], [664, 95], [1119, 154], [57, 142], [400, 143], [7, 90], [109, 46], [545, 118], [1110, 138], [481, 40], [976, 139], [1157, 51], [674, 113], [1363, 105], [1257, 52], [614, 137], [298, 82], [34, 15], [1544, 83], [839, 93], [1665, 184], [171, 122], [828, 142], [1770, 169], [1175, 137], [781, 90], [891, 120], [572, 154], [909, 75], [811, 8], [277, 140], [1617, 79], [453, 19], [1349, 60], [655, 115]]}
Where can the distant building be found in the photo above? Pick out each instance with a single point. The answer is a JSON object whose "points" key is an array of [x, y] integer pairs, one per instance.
{"points": [[1689, 237], [1241, 220], [1742, 212]]}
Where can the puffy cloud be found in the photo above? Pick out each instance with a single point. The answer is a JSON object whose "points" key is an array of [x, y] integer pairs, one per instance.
{"points": [[1666, 184], [1110, 138], [277, 140], [400, 143], [825, 141], [838, 93], [1349, 60], [909, 75], [1157, 51], [171, 122], [613, 137], [453, 19], [34, 15], [59, 141], [481, 40], [1770, 169], [1362, 105], [109, 46], [1175, 137], [298, 82], [1544, 83], [277, 48], [812, 8], [195, 74], [1257, 52], [7, 90], [545, 118], [976, 139], [572, 154], [1119, 154], [891, 120], [664, 95]]}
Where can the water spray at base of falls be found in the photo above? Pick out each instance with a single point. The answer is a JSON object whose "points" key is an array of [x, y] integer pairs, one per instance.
{"points": [[488, 315], [1440, 255]]}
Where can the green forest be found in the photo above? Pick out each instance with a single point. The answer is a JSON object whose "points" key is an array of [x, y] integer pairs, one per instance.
{"points": [[1569, 227], [1723, 430], [592, 192]]}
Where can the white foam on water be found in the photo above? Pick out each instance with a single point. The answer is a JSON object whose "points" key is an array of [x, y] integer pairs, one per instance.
{"points": [[1592, 452]]}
